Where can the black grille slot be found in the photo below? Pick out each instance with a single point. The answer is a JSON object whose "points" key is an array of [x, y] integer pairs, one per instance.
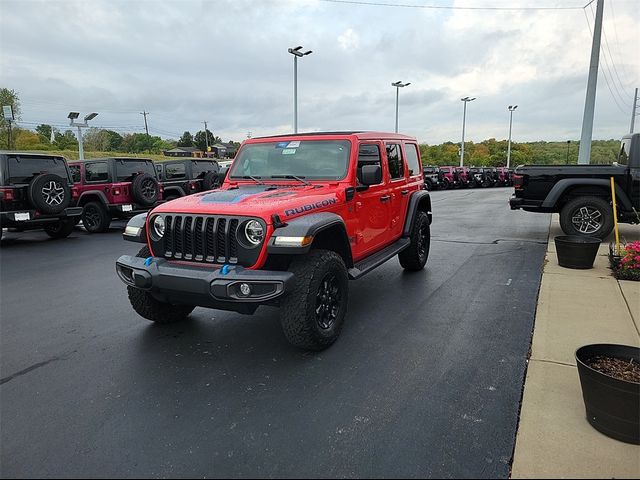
{"points": [[188, 238], [201, 239], [221, 239], [233, 241]]}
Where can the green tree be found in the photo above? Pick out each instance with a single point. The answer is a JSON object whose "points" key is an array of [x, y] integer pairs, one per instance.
{"points": [[45, 132], [66, 140], [96, 140], [200, 140], [114, 141], [186, 140]]}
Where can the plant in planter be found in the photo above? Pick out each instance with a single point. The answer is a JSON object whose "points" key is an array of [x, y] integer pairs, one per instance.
{"points": [[610, 381], [626, 266]]}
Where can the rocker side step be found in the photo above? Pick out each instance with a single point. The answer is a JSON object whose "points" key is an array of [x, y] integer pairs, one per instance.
{"points": [[365, 266]]}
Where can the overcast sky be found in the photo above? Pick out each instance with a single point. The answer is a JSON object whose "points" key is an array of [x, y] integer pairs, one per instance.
{"points": [[226, 62]]}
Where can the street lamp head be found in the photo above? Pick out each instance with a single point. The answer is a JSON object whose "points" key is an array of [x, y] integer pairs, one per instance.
{"points": [[73, 115], [296, 51], [308, 52], [468, 99], [512, 107], [91, 116], [400, 84]]}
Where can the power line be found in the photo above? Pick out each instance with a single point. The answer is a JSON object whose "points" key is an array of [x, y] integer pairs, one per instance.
{"points": [[445, 7], [625, 72]]}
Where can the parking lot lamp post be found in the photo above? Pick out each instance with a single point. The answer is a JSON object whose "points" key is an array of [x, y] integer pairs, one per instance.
{"points": [[464, 119], [296, 53], [568, 143], [398, 86], [511, 109], [73, 116]]}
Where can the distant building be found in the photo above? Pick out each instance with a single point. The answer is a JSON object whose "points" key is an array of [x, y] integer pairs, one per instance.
{"points": [[183, 152]]}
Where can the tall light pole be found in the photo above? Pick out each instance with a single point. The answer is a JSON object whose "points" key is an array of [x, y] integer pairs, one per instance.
{"points": [[633, 112], [398, 86], [72, 116], [568, 143], [464, 119], [584, 154], [511, 109], [296, 53]]}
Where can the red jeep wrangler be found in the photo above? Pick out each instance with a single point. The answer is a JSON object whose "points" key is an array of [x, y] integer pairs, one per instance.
{"points": [[114, 188], [296, 218]]}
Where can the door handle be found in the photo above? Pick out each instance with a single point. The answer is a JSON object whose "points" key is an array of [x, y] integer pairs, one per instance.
{"points": [[385, 198], [405, 192]]}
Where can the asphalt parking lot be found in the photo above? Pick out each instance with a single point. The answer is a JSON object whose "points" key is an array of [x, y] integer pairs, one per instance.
{"points": [[425, 380]]}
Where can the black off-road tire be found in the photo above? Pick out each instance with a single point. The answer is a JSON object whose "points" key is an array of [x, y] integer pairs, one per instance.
{"points": [[145, 189], [446, 184], [302, 325], [95, 217], [60, 229], [154, 310], [211, 180], [49, 193], [415, 256], [592, 205]]}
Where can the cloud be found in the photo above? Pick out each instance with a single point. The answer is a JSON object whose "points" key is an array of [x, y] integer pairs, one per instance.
{"points": [[226, 62]]}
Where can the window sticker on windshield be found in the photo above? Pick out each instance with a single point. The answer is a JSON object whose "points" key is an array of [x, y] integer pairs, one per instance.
{"points": [[293, 145], [282, 145], [289, 151]]}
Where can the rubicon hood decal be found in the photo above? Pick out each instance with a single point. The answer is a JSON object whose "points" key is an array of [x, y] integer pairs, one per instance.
{"points": [[310, 206]]}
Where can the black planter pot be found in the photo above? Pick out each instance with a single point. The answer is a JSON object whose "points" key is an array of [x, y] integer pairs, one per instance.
{"points": [[576, 251], [613, 405]]}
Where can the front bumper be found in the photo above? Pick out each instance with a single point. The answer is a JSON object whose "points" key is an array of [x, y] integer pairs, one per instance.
{"points": [[18, 219], [219, 288]]}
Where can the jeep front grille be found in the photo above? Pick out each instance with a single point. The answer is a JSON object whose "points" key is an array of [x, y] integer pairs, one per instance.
{"points": [[201, 239]]}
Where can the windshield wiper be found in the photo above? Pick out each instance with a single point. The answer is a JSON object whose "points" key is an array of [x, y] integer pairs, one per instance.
{"points": [[255, 179], [292, 177]]}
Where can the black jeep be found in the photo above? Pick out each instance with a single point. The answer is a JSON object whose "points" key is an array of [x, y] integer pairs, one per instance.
{"points": [[36, 192], [184, 177]]}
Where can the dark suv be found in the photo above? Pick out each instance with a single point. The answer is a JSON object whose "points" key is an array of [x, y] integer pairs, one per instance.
{"points": [[114, 188], [184, 177], [35, 192]]}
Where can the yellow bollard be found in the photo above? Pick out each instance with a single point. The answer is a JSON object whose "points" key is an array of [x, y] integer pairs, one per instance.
{"points": [[615, 215]]}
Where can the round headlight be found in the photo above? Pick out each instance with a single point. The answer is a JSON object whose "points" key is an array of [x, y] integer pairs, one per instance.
{"points": [[254, 232], [158, 226]]}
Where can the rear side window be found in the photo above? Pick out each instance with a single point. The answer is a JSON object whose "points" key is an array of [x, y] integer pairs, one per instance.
{"points": [[413, 159], [625, 148], [24, 169], [174, 171], [96, 172], [126, 169], [394, 158], [75, 173], [201, 168]]}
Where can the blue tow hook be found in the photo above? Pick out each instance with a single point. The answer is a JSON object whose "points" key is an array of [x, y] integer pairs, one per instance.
{"points": [[148, 261], [225, 269]]}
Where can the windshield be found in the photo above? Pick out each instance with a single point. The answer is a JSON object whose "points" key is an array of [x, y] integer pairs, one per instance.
{"points": [[126, 169], [24, 169], [309, 159]]}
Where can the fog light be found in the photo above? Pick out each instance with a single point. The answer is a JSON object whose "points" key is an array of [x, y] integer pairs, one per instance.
{"points": [[245, 289]]}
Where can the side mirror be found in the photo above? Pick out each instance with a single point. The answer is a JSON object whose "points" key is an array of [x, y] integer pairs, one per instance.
{"points": [[371, 175]]}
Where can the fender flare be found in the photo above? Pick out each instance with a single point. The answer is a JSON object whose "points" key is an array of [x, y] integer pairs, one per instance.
{"points": [[561, 187], [97, 193], [419, 198], [174, 188], [311, 225]]}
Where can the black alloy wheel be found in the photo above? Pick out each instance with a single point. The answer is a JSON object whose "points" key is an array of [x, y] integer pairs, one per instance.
{"points": [[328, 301]]}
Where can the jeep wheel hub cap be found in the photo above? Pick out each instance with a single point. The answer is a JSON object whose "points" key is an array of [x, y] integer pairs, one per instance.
{"points": [[587, 220], [53, 193], [328, 302]]}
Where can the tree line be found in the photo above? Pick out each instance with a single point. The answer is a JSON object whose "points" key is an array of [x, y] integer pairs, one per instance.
{"points": [[490, 152]]}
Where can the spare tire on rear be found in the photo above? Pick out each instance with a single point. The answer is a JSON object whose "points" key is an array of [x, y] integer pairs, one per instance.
{"points": [[49, 193], [145, 189], [211, 180]]}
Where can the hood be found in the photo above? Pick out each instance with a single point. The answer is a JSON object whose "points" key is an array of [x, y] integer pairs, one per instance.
{"points": [[256, 200]]}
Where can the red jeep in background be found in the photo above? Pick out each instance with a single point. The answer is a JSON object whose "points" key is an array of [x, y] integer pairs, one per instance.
{"points": [[114, 188], [296, 218]]}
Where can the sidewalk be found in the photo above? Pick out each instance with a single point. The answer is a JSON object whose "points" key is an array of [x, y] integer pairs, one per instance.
{"points": [[575, 308]]}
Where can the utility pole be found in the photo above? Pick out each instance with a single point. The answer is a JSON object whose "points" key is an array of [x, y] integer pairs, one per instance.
{"points": [[633, 112], [146, 128], [511, 109], [206, 135], [568, 143], [464, 119], [584, 154]]}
